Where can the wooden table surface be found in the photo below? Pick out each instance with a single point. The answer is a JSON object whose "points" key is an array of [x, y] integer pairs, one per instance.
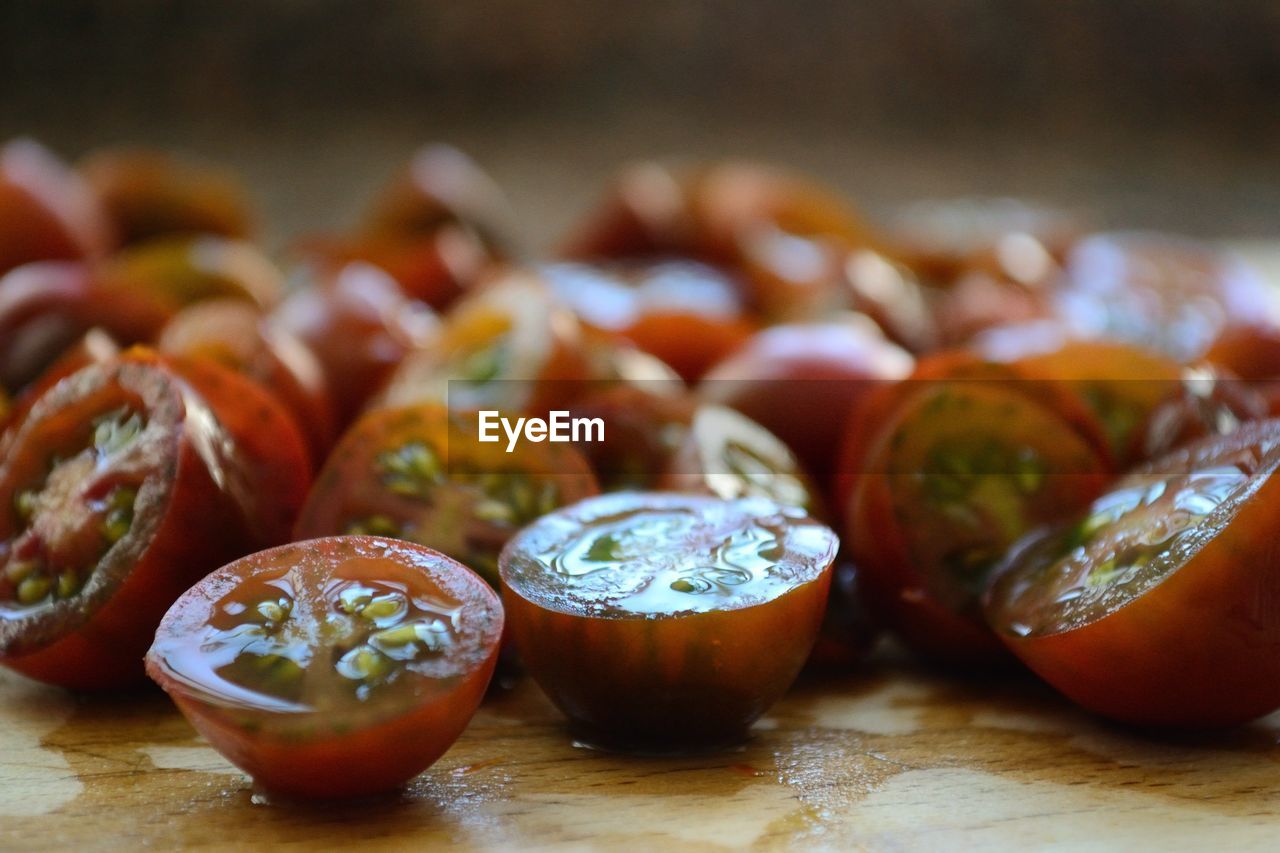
{"points": [[890, 758]]}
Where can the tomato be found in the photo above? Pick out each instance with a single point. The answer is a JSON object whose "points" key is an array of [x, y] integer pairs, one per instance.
{"points": [[1157, 291], [174, 272], [1155, 604], [510, 345], [954, 475], [1205, 402], [1251, 351], [441, 186], [234, 334], [894, 297], [150, 193], [801, 382], [661, 622], [645, 424], [46, 307], [687, 314], [46, 211], [96, 347], [644, 214], [419, 473], [848, 632], [360, 326], [333, 668], [118, 490]]}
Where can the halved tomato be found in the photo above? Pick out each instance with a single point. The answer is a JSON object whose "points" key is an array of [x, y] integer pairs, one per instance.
{"points": [[332, 668], [177, 271], [1158, 603]]}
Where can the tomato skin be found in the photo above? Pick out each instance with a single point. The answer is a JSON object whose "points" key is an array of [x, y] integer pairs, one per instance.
{"points": [[848, 631], [1251, 352], [96, 347], [331, 765], [1197, 650], [148, 193], [200, 526], [644, 425], [46, 211]]}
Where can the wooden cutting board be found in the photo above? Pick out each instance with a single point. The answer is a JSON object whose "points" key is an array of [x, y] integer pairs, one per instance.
{"points": [[894, 758]]}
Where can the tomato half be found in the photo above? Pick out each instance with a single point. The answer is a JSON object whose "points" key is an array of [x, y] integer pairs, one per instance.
{"points": [[118, 490], [1157, 604], [418, 473], [149, 193], [333, 668], [645, 424], [176, 271], [658, 621]]}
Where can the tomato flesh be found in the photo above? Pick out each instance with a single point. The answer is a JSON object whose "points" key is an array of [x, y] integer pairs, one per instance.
{"points": [[1153, 606], [658, 621], [331, 668]]}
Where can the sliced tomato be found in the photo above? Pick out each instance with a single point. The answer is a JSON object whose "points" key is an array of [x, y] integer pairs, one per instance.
{"points": [[175, 271], [96, 347], [420, 474], [645, 424], [333, 668], [660, 622], [1155, 604]]}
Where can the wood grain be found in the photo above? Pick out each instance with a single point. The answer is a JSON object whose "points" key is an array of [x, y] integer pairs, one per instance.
{"points": [[893, 758]]}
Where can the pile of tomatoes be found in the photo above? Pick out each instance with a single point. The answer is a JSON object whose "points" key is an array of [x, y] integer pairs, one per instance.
{"points": [[258, 479]]}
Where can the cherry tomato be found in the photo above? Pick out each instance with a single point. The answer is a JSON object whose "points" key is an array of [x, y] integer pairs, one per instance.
{"points": [[662, 622], [175, 272], [1170, 294], [894, 297], [150, 193], [360, 326], [510, 345], [1205, 402], [801, 382], [687, 314], [333, 668], [1251, 352], [420, 474], [96, 347], [48, 306], [1153, 606], [645, 424], [46, 211], [848, 632], [118, 490], [644, 214], [956, 474], [234, 334]]}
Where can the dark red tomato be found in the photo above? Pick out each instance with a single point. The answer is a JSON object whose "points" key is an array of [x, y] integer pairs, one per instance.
{"points": [[47, 307], [726, 454], [663, 622], [687, 314], [645, 424], [46, 211], [360, 325], [510, 345], [118, 490], [441, 186], [435, 268], [1251, 352], [96, 347], [174, 272], [236, 335], [1162, 292], [978, 301], [1156, 604], [947, 483], [150, 193], [802, 381], [848, 631], [894, 297], [420, 474], [333, 668], [1205, 402], [644, 214]]}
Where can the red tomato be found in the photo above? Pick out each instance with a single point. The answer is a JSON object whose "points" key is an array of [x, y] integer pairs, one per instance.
{"points": [[1251, 352], [661, 622], [96, 347], [122, 489], [645, 424], [360, 325], [332, 668], [420, 474], [802, 382], [1155, 604], [150, 193], [46, 211], [174, 272], [848, 631], [234, 334], [1205, 402], [894, 297]]}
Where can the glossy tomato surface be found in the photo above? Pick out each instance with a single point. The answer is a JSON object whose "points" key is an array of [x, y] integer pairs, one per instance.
{"points": [[1156, 604], [666, 622], [118, 490], [419, 473], [332, 668]]}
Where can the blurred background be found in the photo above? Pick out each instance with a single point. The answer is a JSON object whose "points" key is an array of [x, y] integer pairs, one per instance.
{"points": [[1159, 113]]}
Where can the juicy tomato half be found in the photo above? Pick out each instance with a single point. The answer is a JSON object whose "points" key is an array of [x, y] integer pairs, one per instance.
{"points": [[418, 473], [118, 490], [958, 472], [1156, 605], [665, 622], [332, 668]]}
